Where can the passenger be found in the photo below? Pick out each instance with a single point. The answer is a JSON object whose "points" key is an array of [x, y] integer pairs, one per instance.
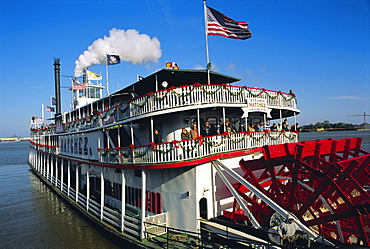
{"points": [[294, 127], [267, 126], [261, 127], [229, 128], [185, 135], [285, 125], [207, 129], [251, 128], [288, 231], [274, 127], [194, 131], [258, 127], [157, 137]]}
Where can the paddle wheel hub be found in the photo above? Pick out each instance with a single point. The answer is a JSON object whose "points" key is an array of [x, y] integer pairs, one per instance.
{"points": [[324, 183]]}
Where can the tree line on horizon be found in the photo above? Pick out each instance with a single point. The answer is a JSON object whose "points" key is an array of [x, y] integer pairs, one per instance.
{"points": [[327, 125]]}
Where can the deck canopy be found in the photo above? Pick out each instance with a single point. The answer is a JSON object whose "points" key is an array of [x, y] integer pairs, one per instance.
{"points": [[175, 78]]}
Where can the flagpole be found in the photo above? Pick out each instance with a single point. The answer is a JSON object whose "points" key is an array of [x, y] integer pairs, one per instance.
{"points": [[72, 100], [42, 113], [51, 105], [106, 72], [206, 34]]}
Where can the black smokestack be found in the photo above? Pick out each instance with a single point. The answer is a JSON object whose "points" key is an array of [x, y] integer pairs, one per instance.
{"points": [[57, 89]]}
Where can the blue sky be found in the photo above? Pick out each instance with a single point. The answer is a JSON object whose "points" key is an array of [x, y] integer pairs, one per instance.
{"points": [[319, 49]]}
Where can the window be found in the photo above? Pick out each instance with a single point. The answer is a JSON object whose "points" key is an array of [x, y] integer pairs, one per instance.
{"points": [[137, 173], [235, 122], [80, 145]]}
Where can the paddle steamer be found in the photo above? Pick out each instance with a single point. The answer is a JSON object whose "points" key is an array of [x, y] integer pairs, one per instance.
{"points": [[122, 161]]}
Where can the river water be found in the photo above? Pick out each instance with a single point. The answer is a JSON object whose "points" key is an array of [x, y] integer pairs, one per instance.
{"points": [[33, 216]]}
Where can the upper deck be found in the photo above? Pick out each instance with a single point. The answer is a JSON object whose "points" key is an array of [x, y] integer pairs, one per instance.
{"points": [[184, 89], [170, 100], [125, 113], [173, 99]]}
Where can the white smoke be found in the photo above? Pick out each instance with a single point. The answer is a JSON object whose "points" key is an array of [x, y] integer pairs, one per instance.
{"points": [[131, 46]]}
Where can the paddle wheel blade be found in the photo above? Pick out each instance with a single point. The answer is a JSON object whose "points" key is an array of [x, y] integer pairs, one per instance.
{"points": [[324, 183]]}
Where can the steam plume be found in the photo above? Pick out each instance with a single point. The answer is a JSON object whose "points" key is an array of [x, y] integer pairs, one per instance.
{"points": [[131, 46]]}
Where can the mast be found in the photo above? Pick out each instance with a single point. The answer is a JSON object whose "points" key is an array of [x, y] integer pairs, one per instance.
{"points": [[51, 108], [42, 112], [206, 34], [106, 72]]}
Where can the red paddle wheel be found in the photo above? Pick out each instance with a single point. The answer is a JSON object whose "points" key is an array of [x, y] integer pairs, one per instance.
{"points": [[324, 183]]}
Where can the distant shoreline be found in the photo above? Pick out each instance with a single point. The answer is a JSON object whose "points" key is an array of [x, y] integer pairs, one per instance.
{"points": [[14, 139], [333, 129]]}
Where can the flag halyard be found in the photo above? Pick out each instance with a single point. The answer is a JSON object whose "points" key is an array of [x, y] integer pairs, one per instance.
{"points": [[219, 24]]}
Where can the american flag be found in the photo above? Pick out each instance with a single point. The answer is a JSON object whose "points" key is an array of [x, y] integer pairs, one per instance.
{"points": [[50, 109], [78, 86], [219, 24]]}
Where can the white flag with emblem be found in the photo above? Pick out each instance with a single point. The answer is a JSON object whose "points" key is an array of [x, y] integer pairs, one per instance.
{"points": [[93, 76]]}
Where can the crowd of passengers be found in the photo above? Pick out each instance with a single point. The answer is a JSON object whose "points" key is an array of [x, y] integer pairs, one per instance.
{"points": [[284, 126], [208, 130]]}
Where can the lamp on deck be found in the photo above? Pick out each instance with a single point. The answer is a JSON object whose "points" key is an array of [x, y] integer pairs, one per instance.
{"points": [[164, 84]]}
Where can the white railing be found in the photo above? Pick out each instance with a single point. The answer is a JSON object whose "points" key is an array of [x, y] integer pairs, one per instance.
{"points": [[174, 98], [155, 225], [113, 217], [195, 148], [187, 149], [44, 147], [205, 94]]}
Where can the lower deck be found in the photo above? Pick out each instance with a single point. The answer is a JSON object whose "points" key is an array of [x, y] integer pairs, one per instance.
{"points": [[254, 188], [157, 234]]}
